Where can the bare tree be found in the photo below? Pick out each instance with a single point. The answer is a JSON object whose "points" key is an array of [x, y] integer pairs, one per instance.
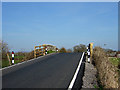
{"points": [[5, 49]]}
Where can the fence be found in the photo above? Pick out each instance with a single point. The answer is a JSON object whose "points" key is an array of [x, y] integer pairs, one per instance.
{"points": [[42, 49], [39, 50]]}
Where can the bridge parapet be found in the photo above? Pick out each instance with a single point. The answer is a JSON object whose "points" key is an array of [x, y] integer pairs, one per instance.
{"points": [[40, 50]]}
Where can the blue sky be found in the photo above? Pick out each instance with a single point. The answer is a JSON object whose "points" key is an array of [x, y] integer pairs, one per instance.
{"points": [[66, 24]]}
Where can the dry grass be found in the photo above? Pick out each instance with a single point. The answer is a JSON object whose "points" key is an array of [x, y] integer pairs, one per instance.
{"points": [[29, 55], [108, 74]]}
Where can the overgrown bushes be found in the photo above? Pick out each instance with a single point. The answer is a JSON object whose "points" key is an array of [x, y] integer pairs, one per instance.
{"points": [[29, 55], [107, 72]]}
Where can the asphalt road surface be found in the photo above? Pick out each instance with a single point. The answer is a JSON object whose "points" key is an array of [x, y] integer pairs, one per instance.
{"points": [[52, 71]]}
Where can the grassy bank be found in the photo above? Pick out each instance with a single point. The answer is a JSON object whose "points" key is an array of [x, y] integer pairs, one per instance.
{"points": [[115, 61], [17, 59], [106, 67], [20, 57]]}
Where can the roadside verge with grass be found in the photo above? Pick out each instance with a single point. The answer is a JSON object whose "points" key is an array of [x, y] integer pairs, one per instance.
{"points": [[106, 68], [20, 58]]}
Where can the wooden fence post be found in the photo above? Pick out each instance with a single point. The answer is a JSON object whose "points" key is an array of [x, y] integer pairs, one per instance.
{"points": [[34, 51], [8, 59]]}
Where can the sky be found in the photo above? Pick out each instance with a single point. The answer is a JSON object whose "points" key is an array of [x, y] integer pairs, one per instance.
{"points": [[63, 24]]}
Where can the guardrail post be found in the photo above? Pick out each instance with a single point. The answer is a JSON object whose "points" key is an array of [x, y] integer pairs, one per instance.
{"points": [[12, 57], [45, 50], [88, 52]]}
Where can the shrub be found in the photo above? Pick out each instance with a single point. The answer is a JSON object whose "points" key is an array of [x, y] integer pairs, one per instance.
{"points": [[106, 70], [62, 50], [29, 55], [69, 51], [79, 48]]}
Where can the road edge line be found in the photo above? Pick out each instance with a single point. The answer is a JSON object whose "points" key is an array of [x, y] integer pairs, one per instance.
{"points": [[75, 75]]}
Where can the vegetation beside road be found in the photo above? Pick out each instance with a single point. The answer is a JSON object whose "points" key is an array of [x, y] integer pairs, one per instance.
{"points": [[77, 48], [18, 57], [114, 60], [80, 48], [62, 50], [48, 52], [106, 67]]}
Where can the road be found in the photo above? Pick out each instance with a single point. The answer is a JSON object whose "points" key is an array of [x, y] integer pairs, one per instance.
{"points": [[52, 71]]}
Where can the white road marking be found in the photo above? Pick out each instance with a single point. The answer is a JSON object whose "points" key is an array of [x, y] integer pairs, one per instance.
{"points": [[23, 62], [75, 75]]}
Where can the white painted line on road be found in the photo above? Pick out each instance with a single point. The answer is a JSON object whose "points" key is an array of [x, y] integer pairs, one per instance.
{"points": [[75, 75], [24, 62]]}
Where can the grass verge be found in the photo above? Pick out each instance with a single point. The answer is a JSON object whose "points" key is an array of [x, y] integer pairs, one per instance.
{"points": [[50, 51], [17, 59], [115, 61]]}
